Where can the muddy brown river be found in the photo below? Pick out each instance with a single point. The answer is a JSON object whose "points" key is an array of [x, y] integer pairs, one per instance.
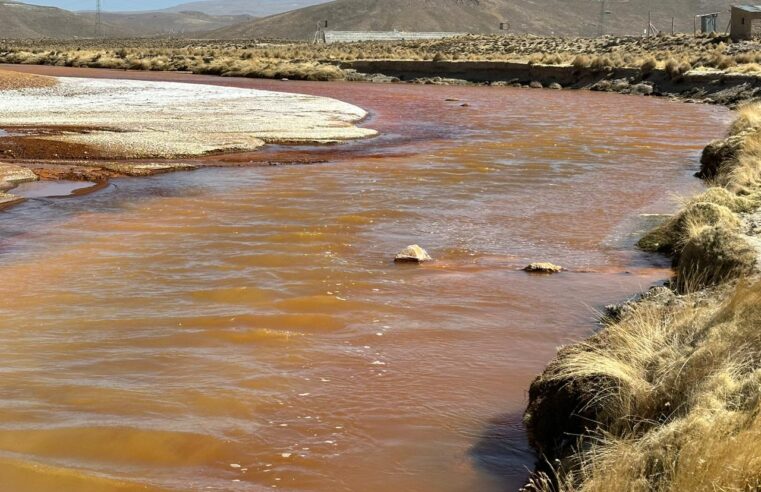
{"points": [[244, 328]]}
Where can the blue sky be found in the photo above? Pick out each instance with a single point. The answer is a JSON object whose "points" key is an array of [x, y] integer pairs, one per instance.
{"points": [[113, 5]]}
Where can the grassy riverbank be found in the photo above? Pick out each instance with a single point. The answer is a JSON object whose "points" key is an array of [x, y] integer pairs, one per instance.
{"points": [[715, 51], [708, 68], [668, 395], [676, 54]]}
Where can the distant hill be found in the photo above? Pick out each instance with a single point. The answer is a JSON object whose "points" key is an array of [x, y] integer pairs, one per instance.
{"points": [[20, 20], [254, 8], [141, 24], [542, 17]]}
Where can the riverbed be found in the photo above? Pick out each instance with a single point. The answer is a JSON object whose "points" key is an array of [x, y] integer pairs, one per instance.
{"points": [[244, 328]]}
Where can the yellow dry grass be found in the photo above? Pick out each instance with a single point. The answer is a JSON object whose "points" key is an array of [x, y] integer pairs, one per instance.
{"points": [[676, 54], [670, 394], [683, 412]]}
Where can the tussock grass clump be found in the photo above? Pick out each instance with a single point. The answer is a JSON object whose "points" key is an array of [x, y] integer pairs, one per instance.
{"points": [[671, 236], [582, 61], [648, 65], [742, 174], [712, 255], [725, 198], [748, 118], [673, 399]]}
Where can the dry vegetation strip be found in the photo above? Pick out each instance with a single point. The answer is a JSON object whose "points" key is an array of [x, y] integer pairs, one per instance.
{"points": [[676, 54], [668, 396]]}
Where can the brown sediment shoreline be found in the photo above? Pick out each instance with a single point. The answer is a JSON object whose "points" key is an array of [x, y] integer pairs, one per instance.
{"points": [[95, 153], [12, 80]]}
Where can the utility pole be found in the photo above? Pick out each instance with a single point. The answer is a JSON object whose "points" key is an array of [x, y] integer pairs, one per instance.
{"points": [[602, 18], [649, 18], [98, 19]]}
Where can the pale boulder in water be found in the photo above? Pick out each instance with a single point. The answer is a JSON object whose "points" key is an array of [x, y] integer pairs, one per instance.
{"points": [[413, 254], [11, 175], [543, 267]]}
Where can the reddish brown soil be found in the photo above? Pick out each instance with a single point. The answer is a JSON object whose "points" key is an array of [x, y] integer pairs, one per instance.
{"points": [[14, 80], [21, 147], [72, 172]]}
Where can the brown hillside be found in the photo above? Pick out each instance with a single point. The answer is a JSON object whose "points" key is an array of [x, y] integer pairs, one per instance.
{"points": [[542, 17], [259, 8], [20, 21]]}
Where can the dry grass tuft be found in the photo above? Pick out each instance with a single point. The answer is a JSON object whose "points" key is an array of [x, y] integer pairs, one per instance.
{"points": [[748, 119], [679, 409], [725, 198], [671, 236], [712, 255]]}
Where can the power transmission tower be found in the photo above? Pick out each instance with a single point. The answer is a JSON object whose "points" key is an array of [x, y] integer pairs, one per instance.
{"points": [[98, 19], [603, 13]]}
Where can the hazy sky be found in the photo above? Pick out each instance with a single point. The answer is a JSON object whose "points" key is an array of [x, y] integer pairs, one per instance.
{"points": [[113, 5]]}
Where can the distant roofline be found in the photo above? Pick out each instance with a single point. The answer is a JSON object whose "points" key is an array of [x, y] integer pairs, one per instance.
{"points": [[748, 7]]}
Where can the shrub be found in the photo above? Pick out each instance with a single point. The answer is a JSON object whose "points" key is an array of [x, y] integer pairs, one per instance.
{"points": [[671, 236], [648, 66], [670, 396], [713, 255]]}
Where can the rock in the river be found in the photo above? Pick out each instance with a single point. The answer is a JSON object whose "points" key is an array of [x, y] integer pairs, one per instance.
{"points": [[413, 254], [543, 268], [555, 86], [536, 85], [12, 175], [8, 199], [642, 89]]}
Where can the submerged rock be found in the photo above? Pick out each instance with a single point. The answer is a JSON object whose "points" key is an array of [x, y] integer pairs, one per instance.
{"points": [[543, 267], [412, 254]]}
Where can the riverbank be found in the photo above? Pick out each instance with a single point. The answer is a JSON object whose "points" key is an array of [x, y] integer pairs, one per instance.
{"points": [[712, 294], [667, 395], [222, 307], [93, 130], [705, 68]]}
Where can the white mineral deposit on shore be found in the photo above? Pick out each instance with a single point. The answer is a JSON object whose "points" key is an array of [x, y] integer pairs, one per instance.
{"points": [[163, 119]]}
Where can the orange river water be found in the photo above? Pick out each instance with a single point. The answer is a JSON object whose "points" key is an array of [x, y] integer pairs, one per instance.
{"points": [[244, 328]]}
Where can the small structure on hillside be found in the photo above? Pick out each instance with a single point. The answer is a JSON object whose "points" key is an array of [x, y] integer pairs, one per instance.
{"points": [[742, 21], [328, 37], [708, 23]]}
